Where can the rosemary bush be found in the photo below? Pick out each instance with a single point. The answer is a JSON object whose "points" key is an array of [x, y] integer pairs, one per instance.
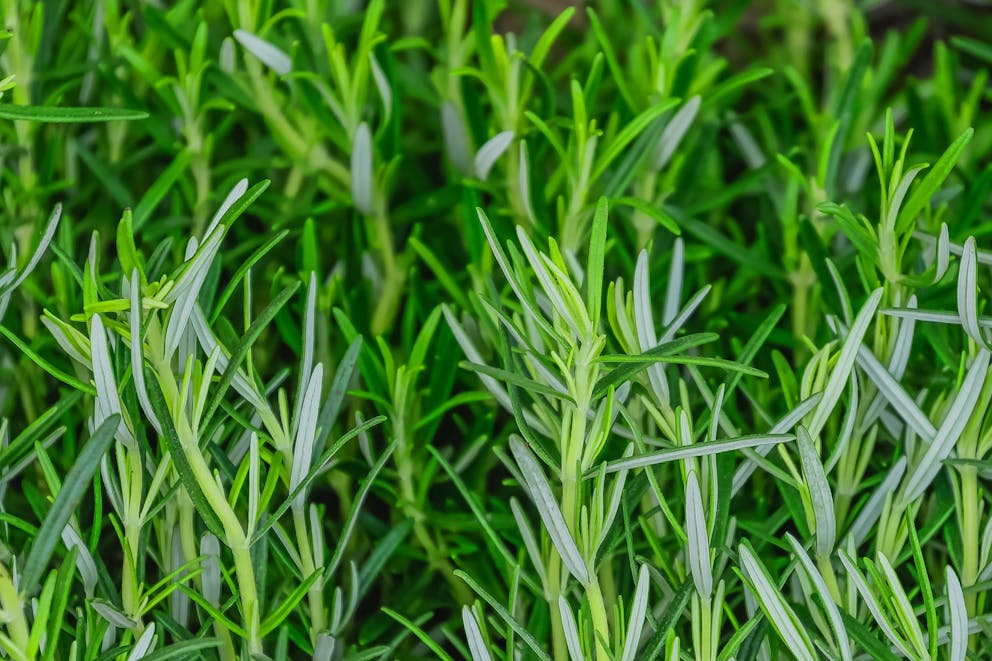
{"points": [[495, 330]]}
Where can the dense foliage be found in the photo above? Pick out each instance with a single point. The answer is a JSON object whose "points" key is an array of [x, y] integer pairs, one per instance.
{"points": [[495, 330]]}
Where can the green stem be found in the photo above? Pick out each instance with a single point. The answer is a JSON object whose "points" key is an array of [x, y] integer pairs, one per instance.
{"points": [[706, 652], [643, 224], [970, 534], [187, 528], [827, 571], [131, 588], [559, 647], [294, 181], [381, 234], [249, 595], [802, 279], [600, 622], [607, 584], [201, 178], [13, 607], [282, 130], [235, 534], [315, 596], [21, 66], [569, 500], [227, 651], [836, 16]]}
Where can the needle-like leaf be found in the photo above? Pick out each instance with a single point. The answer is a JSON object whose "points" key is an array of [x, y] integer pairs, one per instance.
{"points": [[75, 484]]}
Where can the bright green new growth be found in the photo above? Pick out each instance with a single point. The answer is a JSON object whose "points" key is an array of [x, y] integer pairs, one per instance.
{"points": [[495, 330]]}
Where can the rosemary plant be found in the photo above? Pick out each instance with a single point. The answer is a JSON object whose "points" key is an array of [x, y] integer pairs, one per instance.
{"points": [[648, 329]]}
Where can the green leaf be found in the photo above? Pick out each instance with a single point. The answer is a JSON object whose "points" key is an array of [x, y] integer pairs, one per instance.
{"points": [[76, 482], [547, 40], [980, 49], [243, 269], [630, 131], [656, 213], [157, 191], [444, 277], [127, 252], [862, 236], [187, 649], [519, 629], [733, 83], [241, 204], [880, 616], [926, 589], [316, 469], [418, 632], [335, 396], [377, 652], [548, 134], [729, 365], [841, 372], [24, 442], [769, 596], [630, 166], [356, 507], [511, 275], [212, 611], [867, 639], [846, 107], [673, 612], [957, 616], [827, 601], [821, 498], [696, 450], [698, 539], [513, 378], [288, 602], [933, 180], [958, 413], [244, 346], [482, 24], [456, 400], [384, 549], [597, 256], [36, 358], [632, 365], [110, 183], [606, 43], [480, 516], [42, 610], [730, 648], [310, 259], [758, 263], [756, 340], [63, 586], [68, 115], [539, 489]]}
